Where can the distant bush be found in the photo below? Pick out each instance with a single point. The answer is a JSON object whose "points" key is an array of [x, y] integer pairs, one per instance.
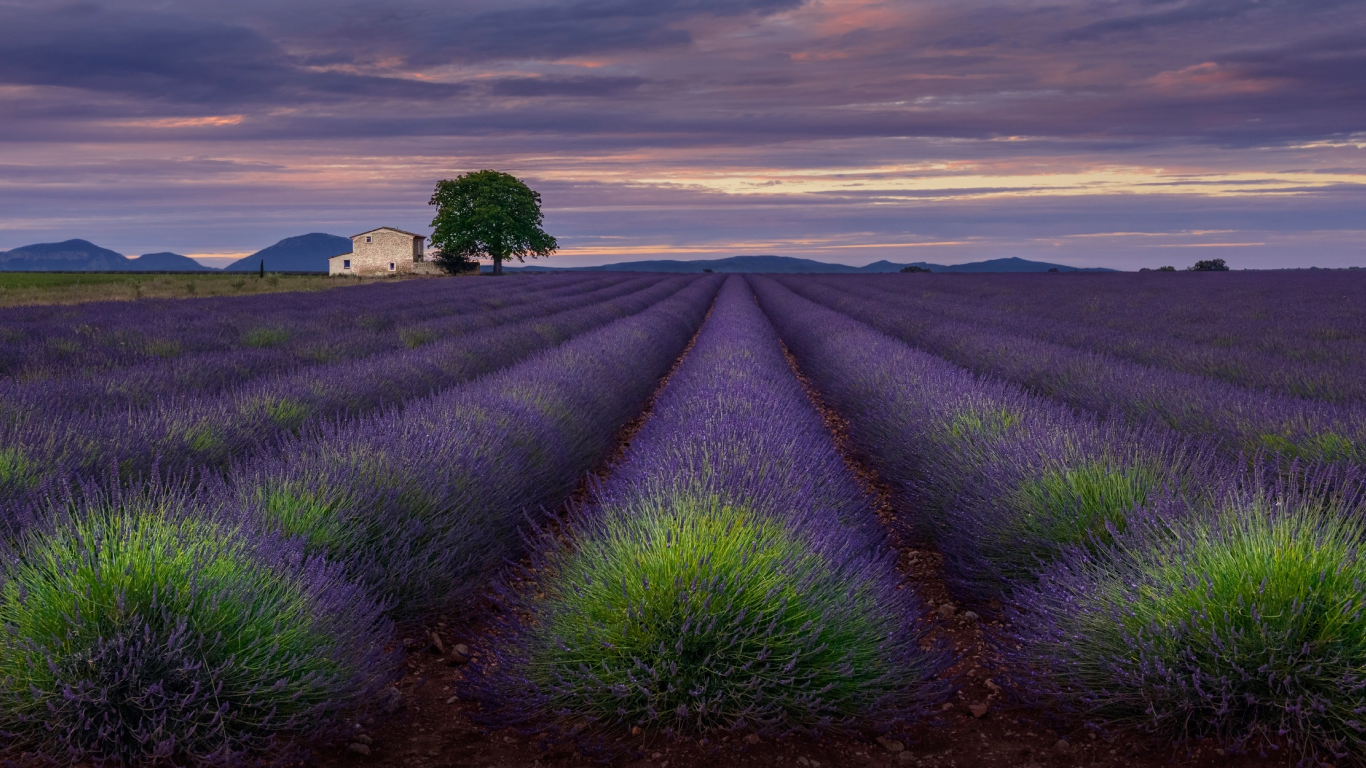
{"points": [[1210, 265], [138, 630], [914, 268], [1166, 269]]}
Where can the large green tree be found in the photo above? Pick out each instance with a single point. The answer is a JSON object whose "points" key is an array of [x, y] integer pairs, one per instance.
{"points": [[487, 214]]}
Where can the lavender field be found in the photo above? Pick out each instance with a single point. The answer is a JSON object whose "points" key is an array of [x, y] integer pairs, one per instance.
{"points": [[658, 512]]}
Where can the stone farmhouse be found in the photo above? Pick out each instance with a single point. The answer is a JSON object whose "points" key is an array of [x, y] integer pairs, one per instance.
{"points": [[384, 251]]}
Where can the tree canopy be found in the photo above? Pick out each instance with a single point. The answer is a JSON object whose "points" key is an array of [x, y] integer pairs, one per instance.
{"points": [[487, 214], [1211, 265]]}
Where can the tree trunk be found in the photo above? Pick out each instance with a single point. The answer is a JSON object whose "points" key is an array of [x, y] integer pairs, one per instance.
{"points": [[497, 265]]}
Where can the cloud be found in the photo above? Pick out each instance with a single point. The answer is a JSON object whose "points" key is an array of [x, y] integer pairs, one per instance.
{"points": [[597, 87], [176, 59], [641, 120]]}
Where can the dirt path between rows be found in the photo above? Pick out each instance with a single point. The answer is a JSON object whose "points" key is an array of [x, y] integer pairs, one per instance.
{"points": [[429, 726]]}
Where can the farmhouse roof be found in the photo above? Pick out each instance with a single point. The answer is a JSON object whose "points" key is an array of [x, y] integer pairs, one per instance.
{"points": [[392, 229]]}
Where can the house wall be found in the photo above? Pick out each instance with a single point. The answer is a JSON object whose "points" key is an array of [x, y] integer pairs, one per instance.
{"points": [[373, 258]]}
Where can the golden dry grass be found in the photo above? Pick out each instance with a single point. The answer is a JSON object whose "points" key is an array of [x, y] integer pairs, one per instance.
{"points": [[28, 288]]}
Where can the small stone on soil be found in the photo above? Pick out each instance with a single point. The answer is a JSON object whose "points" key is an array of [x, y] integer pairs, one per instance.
{"points": [[946, 610], [363, 738], [978, 710], [1063, 745], [358, 748], [752, 738], [460, 653], [971, 616], [906, 756]]}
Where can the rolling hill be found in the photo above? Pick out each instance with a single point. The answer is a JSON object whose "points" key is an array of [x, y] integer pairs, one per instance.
{"points": [[168, 262], [790, 265], [85, 256]]}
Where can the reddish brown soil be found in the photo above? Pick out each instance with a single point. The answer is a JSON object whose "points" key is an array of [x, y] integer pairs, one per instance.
{"points": [[432, 727]]}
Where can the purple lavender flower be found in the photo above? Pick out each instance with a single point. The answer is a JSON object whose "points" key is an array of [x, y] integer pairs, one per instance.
{"points": [[729, 574], [1242, 620], [155, 624]]}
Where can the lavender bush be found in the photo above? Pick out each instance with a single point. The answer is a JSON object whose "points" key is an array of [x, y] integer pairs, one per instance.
{"points": [[422, 504], [152, 625], [729, 575], [1245, 622]]}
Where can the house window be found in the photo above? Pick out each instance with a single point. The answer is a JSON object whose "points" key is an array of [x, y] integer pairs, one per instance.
{"points": [[346, 263], [391, 266], [367, 238]]}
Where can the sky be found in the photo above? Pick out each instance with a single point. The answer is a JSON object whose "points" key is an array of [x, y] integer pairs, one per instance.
{"points": [[1110, 133]]}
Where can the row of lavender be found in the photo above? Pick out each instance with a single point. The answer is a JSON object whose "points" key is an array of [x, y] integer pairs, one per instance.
{"points": [[1240, 419], [56, 341], [281, 348], [1296, 333], [729, 577], [1149, 579], [199, 618], [182, 432]]}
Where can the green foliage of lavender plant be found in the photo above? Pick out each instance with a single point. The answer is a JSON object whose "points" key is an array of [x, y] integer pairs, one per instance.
{"points": [[415, 337], [266, 337], [978, 422], [1247, 624], [163, 348], [315, 517], [205, 440], [134, 636], [287, 413], [14, 468], [1073, 506], [692, 616], [1325, 446]]}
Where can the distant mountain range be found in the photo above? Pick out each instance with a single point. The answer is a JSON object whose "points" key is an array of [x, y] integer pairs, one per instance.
{"points": [[305, 253], [309, 253], [85, 256], [790, 265]]}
